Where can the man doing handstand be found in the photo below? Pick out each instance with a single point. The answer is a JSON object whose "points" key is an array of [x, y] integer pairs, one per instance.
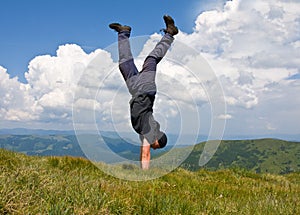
{"points": [[142, 87]]}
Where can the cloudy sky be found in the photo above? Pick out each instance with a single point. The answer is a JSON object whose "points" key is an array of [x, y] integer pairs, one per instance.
{"points": [[237, 61]]}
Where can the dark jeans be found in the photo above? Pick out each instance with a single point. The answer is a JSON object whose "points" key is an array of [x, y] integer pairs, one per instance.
{"points": [[144, 81]]}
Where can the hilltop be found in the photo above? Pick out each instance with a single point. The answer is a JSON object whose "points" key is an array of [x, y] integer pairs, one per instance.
{"points": [[68, 185]]}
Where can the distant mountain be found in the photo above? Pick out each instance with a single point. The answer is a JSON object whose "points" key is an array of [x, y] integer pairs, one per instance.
{"points": [[287, 137], [261, 156], [173, 139], [42, 145], [26, 131], [129, 136], [68, 145]]}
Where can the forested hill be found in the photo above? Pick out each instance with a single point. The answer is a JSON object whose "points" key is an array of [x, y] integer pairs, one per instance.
{"points": [[261, 156]]}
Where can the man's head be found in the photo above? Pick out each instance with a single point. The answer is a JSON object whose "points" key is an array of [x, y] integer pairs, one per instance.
{"points": [[161, 142]]}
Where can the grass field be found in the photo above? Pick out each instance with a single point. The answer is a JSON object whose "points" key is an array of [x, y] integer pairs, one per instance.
{"points": [[66, 185]]}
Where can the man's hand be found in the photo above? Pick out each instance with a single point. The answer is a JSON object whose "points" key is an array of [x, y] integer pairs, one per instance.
{"points": [[145, 154]]}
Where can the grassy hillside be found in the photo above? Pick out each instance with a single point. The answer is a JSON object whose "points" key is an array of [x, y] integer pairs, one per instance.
{"points": [[260, 156], [66, 185]]}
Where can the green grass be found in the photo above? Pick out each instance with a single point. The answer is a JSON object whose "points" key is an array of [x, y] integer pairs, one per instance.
{"points": [[66, 185]]}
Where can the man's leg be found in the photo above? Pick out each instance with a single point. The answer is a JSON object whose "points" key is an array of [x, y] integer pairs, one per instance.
{"points": [[158, 53], [162, 46], [126, 62]]}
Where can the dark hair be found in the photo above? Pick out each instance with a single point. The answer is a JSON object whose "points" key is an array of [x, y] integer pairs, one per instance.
{"points": [[162, 140]]}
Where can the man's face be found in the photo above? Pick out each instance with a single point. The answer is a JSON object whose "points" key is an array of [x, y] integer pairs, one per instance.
{"points": [[155, 145]]}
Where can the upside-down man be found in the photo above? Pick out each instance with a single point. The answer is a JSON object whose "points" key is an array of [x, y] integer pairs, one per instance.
{"points": [[142, 87]]}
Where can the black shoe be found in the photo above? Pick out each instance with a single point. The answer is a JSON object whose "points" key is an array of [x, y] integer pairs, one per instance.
{"points": [[170, 25], [119, 28]]}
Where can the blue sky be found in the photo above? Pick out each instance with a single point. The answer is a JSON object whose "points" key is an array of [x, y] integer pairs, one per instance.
{"points": [[33, 27], [46, 44]]}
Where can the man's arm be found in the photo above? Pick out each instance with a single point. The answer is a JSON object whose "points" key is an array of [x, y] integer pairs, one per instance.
{"points": [[145, 154]]}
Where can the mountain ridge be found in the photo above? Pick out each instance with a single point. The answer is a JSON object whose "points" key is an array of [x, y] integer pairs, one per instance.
{"points": [[260, 155], [173, 137]]}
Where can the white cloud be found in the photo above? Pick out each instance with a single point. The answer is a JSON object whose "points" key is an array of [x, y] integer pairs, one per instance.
{"points": [[250, 45], [224, 116], [16, 104], [52, 82], [269, 126], [253, 48]]}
